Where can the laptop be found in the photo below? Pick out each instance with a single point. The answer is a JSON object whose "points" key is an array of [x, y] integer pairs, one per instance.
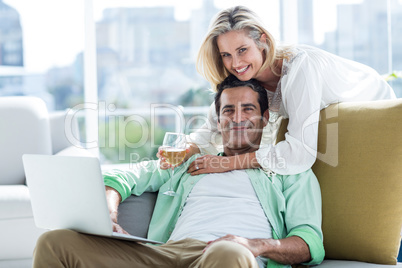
{"points": [[67, 192]]}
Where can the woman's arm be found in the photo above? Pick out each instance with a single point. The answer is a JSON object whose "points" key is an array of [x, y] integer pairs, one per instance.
{"points": [[301, 92], [217, 164], [207, 138]]}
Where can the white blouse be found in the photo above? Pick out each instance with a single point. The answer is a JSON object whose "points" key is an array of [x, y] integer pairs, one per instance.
{"points": [[311, 80]]}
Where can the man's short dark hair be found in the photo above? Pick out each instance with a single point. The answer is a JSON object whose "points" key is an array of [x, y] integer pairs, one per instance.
{"points": [[231, 81]]}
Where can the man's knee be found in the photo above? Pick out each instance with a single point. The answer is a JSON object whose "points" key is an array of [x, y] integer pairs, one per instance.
{"points": [[228, 254], [52, 239], [48, 247]]}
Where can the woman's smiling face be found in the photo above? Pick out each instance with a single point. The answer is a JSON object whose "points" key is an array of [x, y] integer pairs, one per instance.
{"points": [[240, 54]]}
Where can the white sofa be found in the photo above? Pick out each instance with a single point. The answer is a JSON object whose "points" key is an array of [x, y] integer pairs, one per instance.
{"points": [[25, 127]]}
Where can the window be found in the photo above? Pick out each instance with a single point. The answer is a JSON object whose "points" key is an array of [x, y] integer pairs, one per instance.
{"points": [[140, 71], [146, 67], [41, 46]]}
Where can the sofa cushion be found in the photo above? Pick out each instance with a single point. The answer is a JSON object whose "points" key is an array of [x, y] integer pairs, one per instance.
{"points": [[135, 213], [18, 239], [354, 264], [24, 125], [359, 170], [64, 130], [75, 151]]}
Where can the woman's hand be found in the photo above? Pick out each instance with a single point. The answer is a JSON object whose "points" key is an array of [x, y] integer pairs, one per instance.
{"points": [[218, 164], [191, 150], [210, 164]]}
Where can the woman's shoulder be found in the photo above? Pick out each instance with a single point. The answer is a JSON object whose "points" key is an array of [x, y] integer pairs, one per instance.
{"points": [[312, 58], [301, 51], [324, 60], [307, 49], [295, 56]]}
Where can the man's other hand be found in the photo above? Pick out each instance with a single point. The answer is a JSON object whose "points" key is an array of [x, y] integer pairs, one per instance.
{"points": [[252, 244], [191, 150], [117, 228]]}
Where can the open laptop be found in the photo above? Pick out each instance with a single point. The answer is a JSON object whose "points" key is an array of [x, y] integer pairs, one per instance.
{"points": [[67, 192]]}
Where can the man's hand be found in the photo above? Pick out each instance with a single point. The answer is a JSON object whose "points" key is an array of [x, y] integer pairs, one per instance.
{"points": [[117, 228], [253, 245], [113, 199], [290, 250], [163, 164], [190, 151]]}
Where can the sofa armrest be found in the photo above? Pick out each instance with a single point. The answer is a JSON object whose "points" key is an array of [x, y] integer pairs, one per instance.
{"points": [[64, 133], [24, 128]]}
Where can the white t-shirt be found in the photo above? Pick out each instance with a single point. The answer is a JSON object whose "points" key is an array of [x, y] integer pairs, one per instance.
{"points": [[221, 204], [311, 80]]}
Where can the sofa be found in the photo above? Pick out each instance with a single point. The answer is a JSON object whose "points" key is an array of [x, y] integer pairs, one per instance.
{"points": [[359, 168], [25, 127], [359, 155]]}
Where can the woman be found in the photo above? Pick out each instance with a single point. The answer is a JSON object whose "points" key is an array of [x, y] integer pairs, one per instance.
{"points": [[300, 80]]}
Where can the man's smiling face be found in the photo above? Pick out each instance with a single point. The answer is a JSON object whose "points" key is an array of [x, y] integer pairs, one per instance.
{"points": [[240, 120]]}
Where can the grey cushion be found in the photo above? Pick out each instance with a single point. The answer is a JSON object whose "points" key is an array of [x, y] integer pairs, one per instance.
{"points": [[135, 213]]}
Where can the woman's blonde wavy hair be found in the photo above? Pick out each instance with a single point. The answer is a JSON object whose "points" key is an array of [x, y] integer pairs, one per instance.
{"points": [[209, 62]]}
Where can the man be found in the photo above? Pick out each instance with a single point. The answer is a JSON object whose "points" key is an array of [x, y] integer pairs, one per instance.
{"points": [[241, 218]]}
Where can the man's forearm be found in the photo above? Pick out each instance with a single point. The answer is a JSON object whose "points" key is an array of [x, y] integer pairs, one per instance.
{"points": [[290, 250], [113, 199]]}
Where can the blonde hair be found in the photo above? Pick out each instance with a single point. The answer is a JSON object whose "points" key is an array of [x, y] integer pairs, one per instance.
{"points": [[209, 62]]}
